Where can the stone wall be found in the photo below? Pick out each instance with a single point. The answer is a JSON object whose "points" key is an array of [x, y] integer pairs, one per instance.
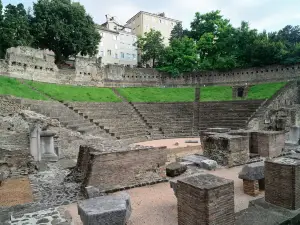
{"points": [[280, 106], [112, 170], [38, 65]]}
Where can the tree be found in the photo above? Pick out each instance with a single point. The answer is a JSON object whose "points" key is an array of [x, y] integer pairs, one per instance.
{"points": [[181, 56], [177, 32], [15, 28], [151, 46], [64, 27], [207, 23]]}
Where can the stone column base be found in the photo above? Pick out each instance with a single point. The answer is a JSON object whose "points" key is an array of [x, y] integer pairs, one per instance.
{"points": [[251, 187]]}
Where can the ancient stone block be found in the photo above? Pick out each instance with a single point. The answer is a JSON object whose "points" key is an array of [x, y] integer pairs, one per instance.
{"points": [[268, 143], [91, 192], [209, 164], [205, 199], [105, 210], [253, 171], [282, 182], [115, 170], [175, 169], [227, 150]]}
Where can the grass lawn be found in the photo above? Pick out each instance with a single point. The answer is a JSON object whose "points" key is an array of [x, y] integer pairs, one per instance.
{"points": [[264, 91], [224, 93], [216, 93], [11, 86], [76, 93], [158, 94]]}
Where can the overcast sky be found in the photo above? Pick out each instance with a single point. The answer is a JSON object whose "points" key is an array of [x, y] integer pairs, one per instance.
{"points": [[261, 14]]}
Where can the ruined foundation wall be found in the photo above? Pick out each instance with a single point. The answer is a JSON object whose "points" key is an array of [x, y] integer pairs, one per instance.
{"points": [[280, 105], [38, 65], [108, 171]]}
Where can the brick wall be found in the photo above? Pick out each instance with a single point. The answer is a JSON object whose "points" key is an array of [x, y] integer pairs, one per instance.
{"points": [[108, 171], [205, 199], [282, 183]]}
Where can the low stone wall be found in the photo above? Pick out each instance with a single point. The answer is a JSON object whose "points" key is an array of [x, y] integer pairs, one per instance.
{"points": [[175, 153], [38, 65], [112, 170], [278, 106]]}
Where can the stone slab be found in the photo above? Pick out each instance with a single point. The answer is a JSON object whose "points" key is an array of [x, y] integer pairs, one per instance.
{"points": [[195, 159], [175, 169], [253, 171], [209, 164], [261, 212], [105, 210], [191, 142], [92, 192], [219, 130]]}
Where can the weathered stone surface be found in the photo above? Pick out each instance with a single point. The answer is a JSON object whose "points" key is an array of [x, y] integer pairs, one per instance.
{"points": [[282, 186], [105, 210], [175, 169], [195, 159], [227, 150], [191, 142], [253, 171], [195, 196], [261, 212], [219, 130], [209, 164], [92, 192]]}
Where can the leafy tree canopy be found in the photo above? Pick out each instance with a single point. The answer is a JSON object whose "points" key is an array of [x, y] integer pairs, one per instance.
{"points": [[65, 28], [151, 45]]}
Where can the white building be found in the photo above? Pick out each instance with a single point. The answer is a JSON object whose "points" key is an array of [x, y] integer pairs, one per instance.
{"points": [[118, 44], [143, 22]]}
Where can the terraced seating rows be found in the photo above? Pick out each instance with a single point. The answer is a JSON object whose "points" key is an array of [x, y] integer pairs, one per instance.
{"points": [[233, 114], [173, 119], [118, 119], [67, 117]]}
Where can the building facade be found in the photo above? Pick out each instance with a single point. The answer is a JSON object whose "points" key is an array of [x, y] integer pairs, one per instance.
{"points": [[118, 44], [143, 22]]}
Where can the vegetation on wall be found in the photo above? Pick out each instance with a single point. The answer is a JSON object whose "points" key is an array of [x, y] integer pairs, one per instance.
{"points": [[62, 26]]}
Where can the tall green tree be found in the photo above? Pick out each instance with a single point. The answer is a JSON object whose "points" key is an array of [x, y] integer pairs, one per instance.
{"points": [[207, 23], [15, 28], [181, 56], [151, 46], [177, 32], [64, 27]]}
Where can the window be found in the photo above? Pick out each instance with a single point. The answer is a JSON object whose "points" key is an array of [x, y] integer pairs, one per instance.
{"points": [[116, 55], [109, 52], [115, 28], [128, 56], [122, 55], [160, 21], [147, 27], [134, 56], [116, 46], [101, 53]]}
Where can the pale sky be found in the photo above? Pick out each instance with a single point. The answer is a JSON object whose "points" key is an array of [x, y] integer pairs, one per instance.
{"points": [[261, 14]]}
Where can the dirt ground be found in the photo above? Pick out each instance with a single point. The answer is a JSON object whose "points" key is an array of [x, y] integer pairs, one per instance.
{"points": [[171, 143], [15, 192]]}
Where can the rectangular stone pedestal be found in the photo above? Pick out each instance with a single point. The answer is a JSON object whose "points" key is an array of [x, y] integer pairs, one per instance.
{"points": [[227, 150], [268, 143], [282, 182], [205, 200]]}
